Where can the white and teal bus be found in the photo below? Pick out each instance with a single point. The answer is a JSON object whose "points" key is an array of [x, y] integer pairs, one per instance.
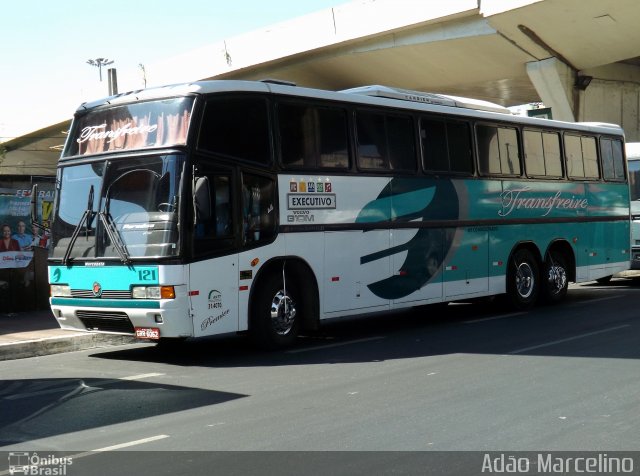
{"points": [[228, 206], [633, 163]]}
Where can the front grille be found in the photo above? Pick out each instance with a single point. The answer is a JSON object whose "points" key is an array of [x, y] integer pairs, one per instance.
{"points": [[106, 321], [106, 294]]}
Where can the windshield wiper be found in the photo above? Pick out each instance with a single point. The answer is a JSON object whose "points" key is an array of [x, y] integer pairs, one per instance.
{"points": [[114, 234], [87, 218]]}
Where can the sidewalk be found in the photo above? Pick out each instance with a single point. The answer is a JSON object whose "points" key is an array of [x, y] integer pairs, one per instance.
{"points": [[35, 333]]}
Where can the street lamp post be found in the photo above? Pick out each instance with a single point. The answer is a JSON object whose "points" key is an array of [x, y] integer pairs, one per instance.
{"points": [[99, 63]]}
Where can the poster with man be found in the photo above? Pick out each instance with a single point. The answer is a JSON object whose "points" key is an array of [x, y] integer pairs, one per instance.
{"points": [[18, 235]]}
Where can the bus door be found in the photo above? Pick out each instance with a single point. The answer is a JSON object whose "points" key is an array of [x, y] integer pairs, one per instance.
{"points": [[258, 221], [213, 274]]}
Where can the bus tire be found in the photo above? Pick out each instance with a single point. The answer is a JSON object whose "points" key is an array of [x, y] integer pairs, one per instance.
{"points": [[275, 315], [522, 279], [555, 280]]}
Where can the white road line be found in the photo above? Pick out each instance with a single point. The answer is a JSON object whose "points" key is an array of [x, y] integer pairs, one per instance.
{"points": [[337, 344], [132, 443], [568, 339], [141, 376], [493, 318], [119, 446], [513, 314], [589, 301]]}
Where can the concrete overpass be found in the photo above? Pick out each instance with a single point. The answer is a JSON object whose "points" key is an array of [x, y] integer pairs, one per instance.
{"points": [[579, 57], [509, 52]]}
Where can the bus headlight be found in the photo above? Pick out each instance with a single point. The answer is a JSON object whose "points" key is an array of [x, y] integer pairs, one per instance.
{"points": [[153, 292], [60, 290]]}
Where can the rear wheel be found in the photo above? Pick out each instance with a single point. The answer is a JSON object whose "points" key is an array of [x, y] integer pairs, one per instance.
{"points": [[554, 278], [275, 313], [522, 279]]}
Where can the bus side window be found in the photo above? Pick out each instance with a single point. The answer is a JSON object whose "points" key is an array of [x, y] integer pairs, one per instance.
{"points": [[258, 208], [612, 159], [385, 142], [213, 212], [498, 150]]}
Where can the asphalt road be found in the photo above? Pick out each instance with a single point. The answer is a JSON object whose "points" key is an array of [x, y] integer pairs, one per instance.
{"points": [[469, 377]]}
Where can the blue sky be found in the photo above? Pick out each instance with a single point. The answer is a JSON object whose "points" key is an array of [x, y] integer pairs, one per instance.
{"points": [[45, 44]]}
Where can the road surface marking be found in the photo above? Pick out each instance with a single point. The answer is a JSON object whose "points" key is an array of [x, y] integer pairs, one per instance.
{"points": [[493, 318], [589, 301], [119, 446], [132, 443], [337, 344], [141, 376], [568, 339]]}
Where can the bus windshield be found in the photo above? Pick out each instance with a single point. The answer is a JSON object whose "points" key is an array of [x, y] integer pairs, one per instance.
{"points": [[134, 212]]}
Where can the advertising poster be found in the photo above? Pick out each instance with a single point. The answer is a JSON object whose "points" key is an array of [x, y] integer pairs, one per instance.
{"points": [[18, 235]]}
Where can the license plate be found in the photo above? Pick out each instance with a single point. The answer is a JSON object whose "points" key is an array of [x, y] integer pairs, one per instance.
{"points": [[148, 333]]}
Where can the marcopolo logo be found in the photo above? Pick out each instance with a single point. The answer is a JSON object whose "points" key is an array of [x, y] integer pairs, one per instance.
{"points": [[23, 462]]}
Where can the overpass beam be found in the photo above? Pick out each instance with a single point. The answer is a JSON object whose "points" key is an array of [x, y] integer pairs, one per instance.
{"points": [[553, 81]]}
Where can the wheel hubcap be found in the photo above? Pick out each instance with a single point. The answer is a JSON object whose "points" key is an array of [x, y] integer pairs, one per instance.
{"points": [[557, 279], [525, 280], [283, 313]]}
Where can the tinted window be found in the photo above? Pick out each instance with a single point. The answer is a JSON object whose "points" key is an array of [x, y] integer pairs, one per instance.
{"points": [[498, 150], [237, 128], [552, 154], [214, 227], [542, 154], [258, 209], [446, 146], [385, 142], [582, 156], [590, 157], [573, 152], [313, 136], [612, 159]]}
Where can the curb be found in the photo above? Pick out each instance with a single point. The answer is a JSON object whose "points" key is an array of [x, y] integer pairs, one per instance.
{"points": [[57, 345]]}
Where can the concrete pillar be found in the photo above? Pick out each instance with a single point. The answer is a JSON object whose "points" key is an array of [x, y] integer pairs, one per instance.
{"points": [[553, 81]]}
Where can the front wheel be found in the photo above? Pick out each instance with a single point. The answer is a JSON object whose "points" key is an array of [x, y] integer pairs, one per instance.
{"points": [[275, 318], [522, 279], [554, 278]]}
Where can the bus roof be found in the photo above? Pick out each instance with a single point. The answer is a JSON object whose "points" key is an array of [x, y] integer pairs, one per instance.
{"points": [[367, 95], [428, 98]]}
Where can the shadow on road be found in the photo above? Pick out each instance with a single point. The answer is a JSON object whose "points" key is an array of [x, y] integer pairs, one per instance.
{"points": [[40, 408], [584, 325]]}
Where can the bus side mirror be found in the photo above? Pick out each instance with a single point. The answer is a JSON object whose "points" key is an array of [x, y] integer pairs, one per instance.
{"points": [[202, 199]]}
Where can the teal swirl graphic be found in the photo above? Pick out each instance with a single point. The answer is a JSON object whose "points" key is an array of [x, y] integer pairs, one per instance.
{"points": [[413, 200]]}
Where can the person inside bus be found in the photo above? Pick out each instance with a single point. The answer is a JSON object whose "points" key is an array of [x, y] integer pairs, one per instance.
{"points": [[222, 209], [23, 238], [7, 243]]}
